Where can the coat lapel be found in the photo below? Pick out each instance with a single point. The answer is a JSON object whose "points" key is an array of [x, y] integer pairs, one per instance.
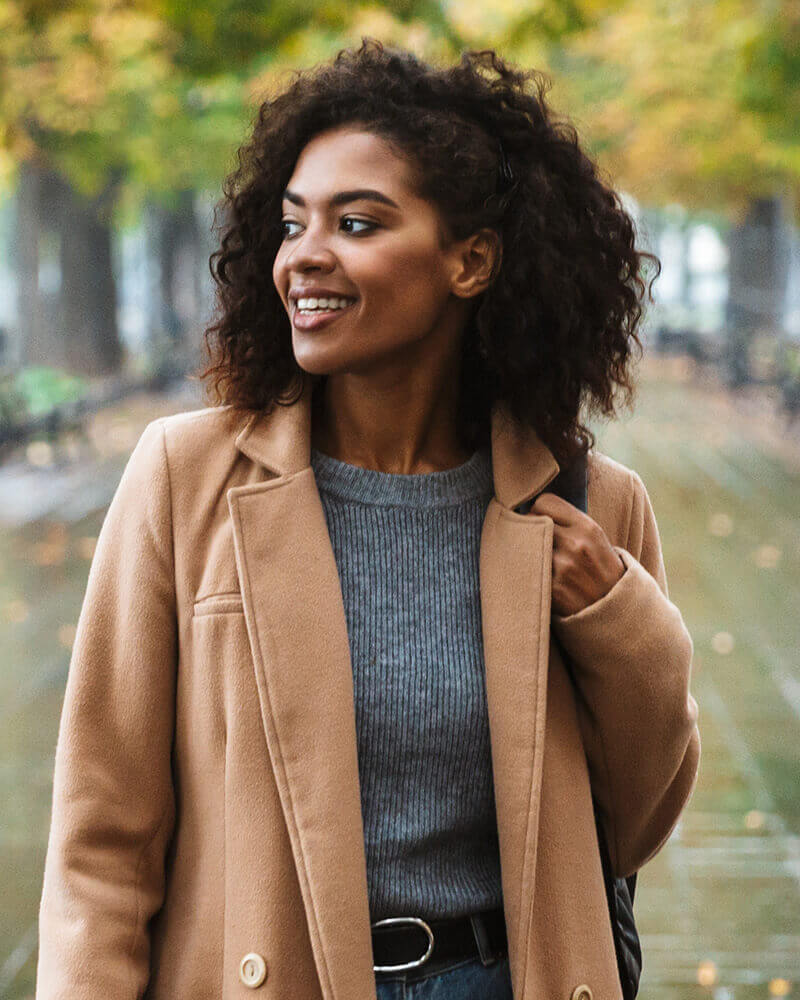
{"points": [[297, 629], [515, 580]]}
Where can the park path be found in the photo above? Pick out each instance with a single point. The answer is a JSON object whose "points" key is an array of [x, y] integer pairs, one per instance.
{"points": [[719, 908]]}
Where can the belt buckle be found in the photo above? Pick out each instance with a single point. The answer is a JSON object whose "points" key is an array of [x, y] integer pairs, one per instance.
{"points": [[417, 961]]}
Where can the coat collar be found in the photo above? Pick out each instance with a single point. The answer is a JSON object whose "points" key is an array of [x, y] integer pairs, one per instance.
{"points": [[522, 464]]}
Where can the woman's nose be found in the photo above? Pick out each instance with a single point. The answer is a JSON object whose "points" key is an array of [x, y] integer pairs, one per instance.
{"points": [[311, 250]]}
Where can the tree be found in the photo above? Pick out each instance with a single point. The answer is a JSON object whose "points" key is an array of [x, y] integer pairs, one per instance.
{"points": [[699, 102]]}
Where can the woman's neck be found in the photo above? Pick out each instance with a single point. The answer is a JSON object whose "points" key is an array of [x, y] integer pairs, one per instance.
{"points": [[397, 432]]}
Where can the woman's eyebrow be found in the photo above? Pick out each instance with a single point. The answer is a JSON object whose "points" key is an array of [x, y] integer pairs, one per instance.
{"points": [[343, 197]]}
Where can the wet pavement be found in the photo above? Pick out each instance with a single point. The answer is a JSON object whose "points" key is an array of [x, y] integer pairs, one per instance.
{"points": [[719, 906]]}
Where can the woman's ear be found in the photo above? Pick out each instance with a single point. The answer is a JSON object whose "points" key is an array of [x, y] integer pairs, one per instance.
{"points": [[476, 263]]}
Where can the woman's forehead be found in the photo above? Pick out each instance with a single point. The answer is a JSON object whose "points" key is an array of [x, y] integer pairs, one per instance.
{"points": [[350, 159]]}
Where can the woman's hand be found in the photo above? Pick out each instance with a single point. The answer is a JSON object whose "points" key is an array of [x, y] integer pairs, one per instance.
{"points": [[585, 566]]}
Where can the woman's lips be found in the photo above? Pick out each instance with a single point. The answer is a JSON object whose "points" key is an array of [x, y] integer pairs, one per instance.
{"points": [[312, 321]]}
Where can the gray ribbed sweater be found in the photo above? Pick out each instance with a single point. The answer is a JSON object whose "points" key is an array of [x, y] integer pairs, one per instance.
{"points": [[407, 548]]}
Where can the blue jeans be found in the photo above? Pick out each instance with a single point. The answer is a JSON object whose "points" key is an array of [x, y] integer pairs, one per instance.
{"points": [[466, 979]]}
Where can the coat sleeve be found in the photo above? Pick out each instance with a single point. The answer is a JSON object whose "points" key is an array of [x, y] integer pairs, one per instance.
{"points": [[631, 659], [113, 803]]}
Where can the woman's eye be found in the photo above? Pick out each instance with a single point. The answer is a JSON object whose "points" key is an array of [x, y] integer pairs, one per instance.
{"points": [[359, 222], [285, 223], [346, 221]]}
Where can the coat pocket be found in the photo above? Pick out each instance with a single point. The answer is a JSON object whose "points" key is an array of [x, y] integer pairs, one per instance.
{"points": [[215, 604]]}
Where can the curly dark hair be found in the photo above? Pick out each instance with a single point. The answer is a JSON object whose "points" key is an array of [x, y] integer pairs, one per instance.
{"points": [[551, 336]]}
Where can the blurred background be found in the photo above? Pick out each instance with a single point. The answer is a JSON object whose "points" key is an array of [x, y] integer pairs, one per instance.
{"points": [[118, 122]]}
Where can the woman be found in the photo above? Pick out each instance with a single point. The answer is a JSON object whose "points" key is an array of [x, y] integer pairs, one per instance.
{"points": [[315, 684]]}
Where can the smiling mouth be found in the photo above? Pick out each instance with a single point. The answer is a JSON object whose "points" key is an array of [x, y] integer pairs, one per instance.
{"points": [[322, 310], [310, 319]]}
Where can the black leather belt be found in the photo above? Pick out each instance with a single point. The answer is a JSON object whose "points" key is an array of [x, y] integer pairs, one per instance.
{"points": [[417, 947]]}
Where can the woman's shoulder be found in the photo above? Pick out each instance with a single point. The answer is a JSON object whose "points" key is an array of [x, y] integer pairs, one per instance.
{"points": [[608, 474], [192, 436], [193, 452], [613, 491], [192, 426]]}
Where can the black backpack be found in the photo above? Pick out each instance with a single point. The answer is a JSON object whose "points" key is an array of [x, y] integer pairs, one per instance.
{"points": [[571, 484]]}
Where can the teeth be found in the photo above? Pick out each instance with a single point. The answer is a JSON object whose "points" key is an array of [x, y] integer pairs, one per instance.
{"points": [[307, 305]]}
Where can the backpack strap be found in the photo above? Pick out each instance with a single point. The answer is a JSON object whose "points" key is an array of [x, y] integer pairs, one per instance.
{"points": [[571, 483]]}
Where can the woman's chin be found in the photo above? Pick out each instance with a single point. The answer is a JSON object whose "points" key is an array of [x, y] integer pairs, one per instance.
{"points": [[317, 357], [320, 362]]}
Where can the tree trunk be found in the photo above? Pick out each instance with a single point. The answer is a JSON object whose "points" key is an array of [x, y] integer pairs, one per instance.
{"points": [[757, 274], [36, 339], [89, 298], [651, 228], [180, 255], [683, 231]]}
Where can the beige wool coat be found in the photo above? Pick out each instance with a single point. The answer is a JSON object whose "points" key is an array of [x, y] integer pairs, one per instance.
{"points": [[206, 840]]}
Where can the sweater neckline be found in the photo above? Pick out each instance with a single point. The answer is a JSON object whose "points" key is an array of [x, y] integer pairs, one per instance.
{"points": [[471, 480]]}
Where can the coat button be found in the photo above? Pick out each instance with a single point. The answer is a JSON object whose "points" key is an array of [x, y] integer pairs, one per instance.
{"points": [[253, 970], [581, 992]]}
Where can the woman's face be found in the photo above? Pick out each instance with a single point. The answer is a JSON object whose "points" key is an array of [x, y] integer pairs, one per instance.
{"points": [[354, 229]]}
